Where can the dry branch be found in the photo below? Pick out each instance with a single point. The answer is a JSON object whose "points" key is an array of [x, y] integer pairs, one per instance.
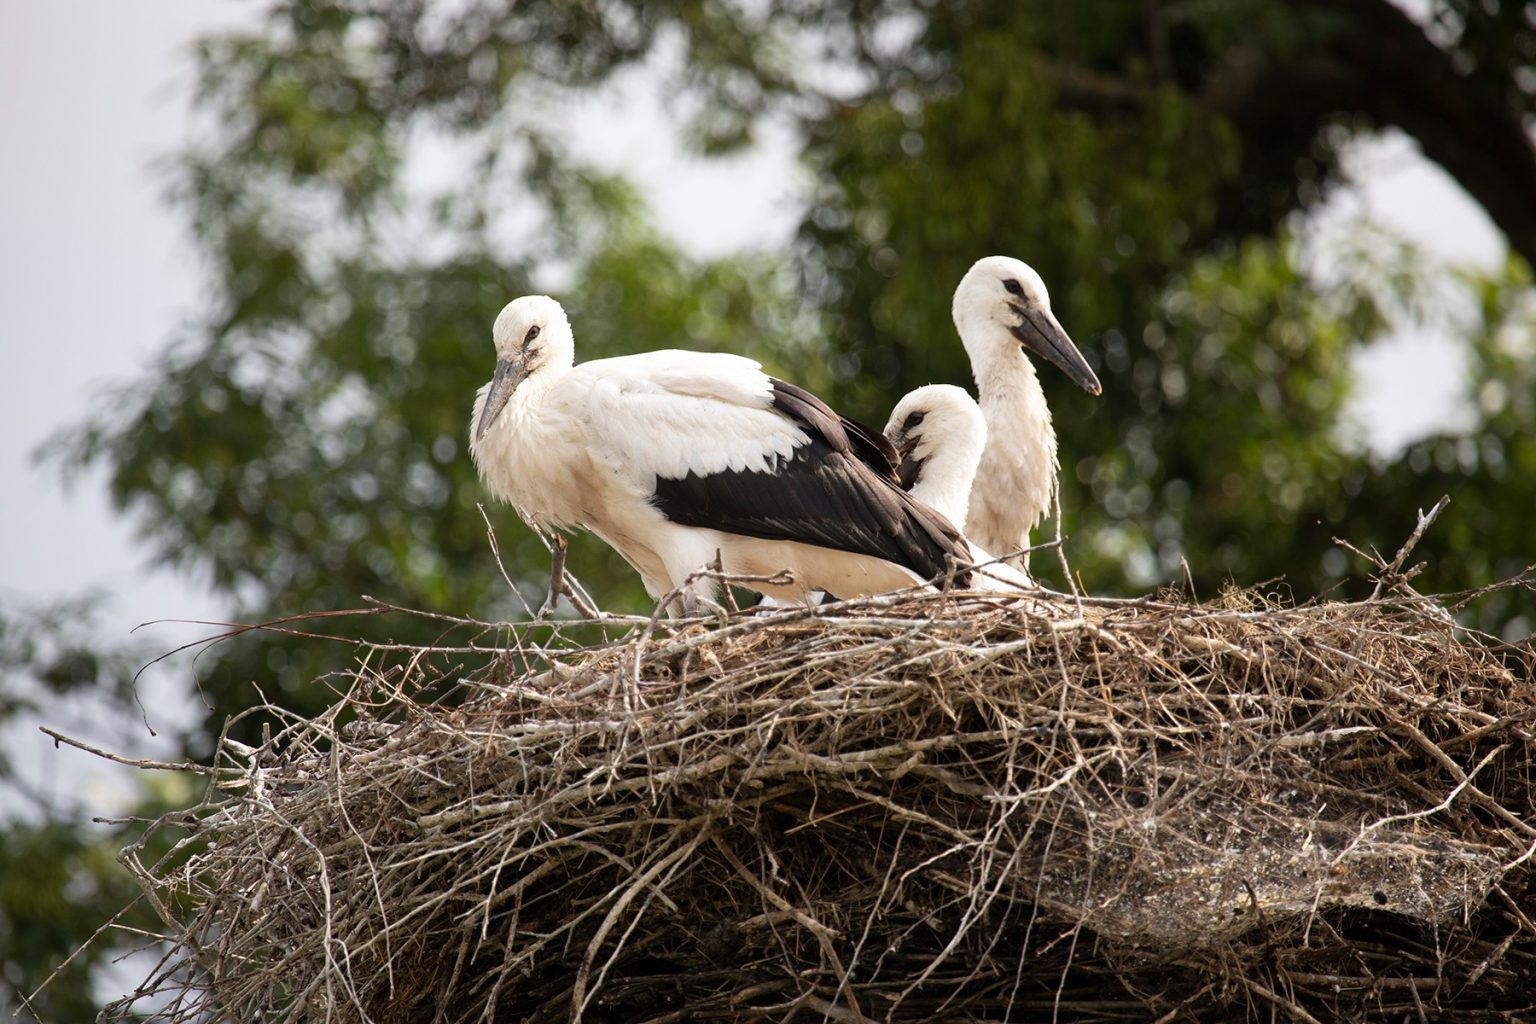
{"points": [[919, 808]]}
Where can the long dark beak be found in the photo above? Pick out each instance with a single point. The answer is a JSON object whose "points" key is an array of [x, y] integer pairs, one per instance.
{"points": [[1040, 334], [509, 374], [907, 467], [910, 468]]}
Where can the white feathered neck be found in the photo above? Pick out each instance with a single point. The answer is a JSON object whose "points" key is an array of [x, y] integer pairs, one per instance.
{"points": [[1016, 479]]}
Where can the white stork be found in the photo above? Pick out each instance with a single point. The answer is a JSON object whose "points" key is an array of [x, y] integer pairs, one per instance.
{"points": [[1002, 310], [672, 457], [939, 432]]}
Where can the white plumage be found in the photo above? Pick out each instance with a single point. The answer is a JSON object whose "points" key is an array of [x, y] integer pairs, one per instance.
{"points": [[671, 457], [940, 433], [1001, 309]]}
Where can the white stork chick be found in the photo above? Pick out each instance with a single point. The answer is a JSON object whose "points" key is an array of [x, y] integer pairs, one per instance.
{"points": [[1002, 311], [939, 432], [672, 457]]}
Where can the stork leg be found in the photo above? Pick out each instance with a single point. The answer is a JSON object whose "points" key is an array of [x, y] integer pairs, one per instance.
{"points": [[556, 574], [560, 582]]}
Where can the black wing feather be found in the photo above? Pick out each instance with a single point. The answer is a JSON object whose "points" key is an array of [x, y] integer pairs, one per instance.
{"points": [[844, 433], [838, 491]]}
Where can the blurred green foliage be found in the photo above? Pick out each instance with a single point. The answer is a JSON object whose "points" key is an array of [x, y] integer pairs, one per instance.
{"points": [[59, 877], [301, 445], [57, 886]]}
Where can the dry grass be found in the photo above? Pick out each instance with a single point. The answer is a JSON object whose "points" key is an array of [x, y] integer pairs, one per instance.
{"points": [[925, 808]]}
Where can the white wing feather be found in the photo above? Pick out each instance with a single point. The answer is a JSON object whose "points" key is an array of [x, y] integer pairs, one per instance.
{"points": [[668, 413]]}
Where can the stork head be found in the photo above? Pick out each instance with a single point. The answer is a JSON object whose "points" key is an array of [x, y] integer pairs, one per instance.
{"points": [[1001, 302], [939, 432], [530, 334]]}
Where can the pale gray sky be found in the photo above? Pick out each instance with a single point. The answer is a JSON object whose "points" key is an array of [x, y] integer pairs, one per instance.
{"points": [[1415, 382], [98, 273]]}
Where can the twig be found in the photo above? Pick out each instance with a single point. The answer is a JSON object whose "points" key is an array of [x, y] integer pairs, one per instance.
{"points": [[190, 767], [1279, 1002], [1391, 573], [831, 1011], [490, 533]]}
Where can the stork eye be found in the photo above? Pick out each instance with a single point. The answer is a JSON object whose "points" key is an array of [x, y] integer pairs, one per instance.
{"points": [[1014, 288], [533, 332], [913, 421]]}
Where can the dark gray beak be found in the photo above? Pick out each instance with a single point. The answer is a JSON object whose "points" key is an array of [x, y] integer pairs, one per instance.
{"points": [[509, 374], [1040, 334], [908, 466]]}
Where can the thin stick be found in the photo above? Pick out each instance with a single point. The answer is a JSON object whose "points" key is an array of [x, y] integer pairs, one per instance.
{"points": [[190, 767], [490, 533], [1392, 572]]}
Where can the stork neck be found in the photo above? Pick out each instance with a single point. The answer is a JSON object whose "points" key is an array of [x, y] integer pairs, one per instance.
{"points": [[945, 486], [1014, 404], [1006, 372]]}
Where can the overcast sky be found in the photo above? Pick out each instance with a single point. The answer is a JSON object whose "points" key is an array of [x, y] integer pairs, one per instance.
{"points": [[98, 273]]}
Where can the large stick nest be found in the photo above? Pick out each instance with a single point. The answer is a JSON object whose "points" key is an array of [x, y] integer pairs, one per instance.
{"points": [[930, 808]]}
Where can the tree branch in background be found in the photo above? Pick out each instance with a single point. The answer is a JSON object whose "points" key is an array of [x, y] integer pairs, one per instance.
{"points": [[1379, 63]]}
